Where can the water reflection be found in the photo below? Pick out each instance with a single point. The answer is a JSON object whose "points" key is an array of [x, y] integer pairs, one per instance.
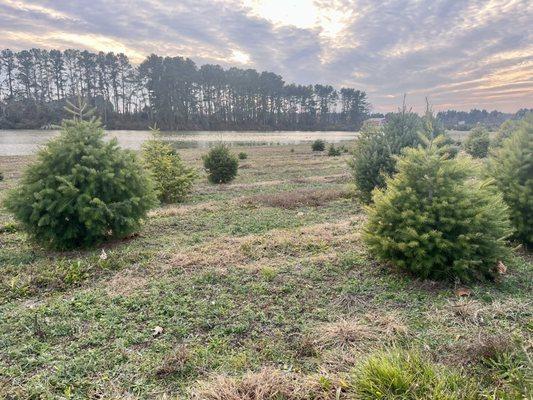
{"points": [[25, 142]]}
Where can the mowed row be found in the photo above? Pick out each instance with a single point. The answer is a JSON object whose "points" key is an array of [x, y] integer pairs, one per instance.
{"points": [[265, 274]]}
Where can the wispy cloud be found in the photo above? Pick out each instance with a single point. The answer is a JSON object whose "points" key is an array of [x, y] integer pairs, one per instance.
{"points": [[460, 54]]}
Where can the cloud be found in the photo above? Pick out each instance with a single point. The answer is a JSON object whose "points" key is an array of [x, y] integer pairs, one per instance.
{"points": [[460, 54]]}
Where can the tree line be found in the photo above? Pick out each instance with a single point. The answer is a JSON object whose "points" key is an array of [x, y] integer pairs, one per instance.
{"points": [[170, 92], [466, 120]]}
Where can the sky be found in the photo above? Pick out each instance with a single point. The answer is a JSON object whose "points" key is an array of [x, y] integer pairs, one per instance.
{"points": [[460, 54]]}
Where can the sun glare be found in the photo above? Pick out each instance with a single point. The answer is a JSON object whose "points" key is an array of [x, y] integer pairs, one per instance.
{"points": [[240, 57], [304, 14]]}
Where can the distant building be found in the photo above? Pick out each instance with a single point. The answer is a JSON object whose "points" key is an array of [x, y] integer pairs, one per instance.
{"points": [[375, 121]]}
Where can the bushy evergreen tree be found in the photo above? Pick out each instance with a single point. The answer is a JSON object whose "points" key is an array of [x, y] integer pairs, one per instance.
{"points": [[477, 143], [436, 220], [334, 151], [402, 130], [511, 165], [220, 164], [505, 130], [318, 145], [371, 161], [173, 180], [375, 149], [81, 190], [432, 128]]}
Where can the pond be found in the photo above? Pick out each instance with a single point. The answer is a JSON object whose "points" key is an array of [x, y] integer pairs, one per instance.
{"points": [[26, 142]]}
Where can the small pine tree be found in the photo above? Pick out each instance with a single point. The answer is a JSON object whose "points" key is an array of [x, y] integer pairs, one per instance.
{"points": [[220, 164], [318, 145], [432, 129], [334, 151], [373, 155], [243, 155], [81, 190], [511, 165], [477, 143], [372, 161], [504, 131], [435, 220], [402, 130], [1, 176], [173, 180]]}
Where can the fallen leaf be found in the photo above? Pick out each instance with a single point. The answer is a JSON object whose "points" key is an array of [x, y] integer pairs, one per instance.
{"points": [[501, 268], [157, 331], [463, 292]]}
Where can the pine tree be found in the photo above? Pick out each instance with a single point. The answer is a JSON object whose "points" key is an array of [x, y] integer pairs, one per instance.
{"points": [[402, 130], [505, 130], [220, 164], [372, 161], [477, 143], [81, 190], [173, 180], [511, 166], [436, 220], [376, 148]]}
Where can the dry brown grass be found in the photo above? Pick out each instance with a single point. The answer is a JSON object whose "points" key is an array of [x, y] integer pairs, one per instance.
{"points": [[322, 240], [359, 331], [174, 210], [475, 313], [206, 189], [176, 363], [489, 347], [267, 384], [337, 178], [295, 198], [125, 282]]}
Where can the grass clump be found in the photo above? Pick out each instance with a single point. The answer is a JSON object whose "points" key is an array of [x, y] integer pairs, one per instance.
{"points": [[511, 166], [81, 190], [221, 165], [477, 142], [510, 373], [318, 145], [436, 220], [406, 375]]}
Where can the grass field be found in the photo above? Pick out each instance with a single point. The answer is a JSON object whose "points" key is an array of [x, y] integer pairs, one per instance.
{"points": [[265, 278]]}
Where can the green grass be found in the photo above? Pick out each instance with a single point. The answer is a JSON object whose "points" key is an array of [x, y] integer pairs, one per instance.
{"points": [[239, 287]]}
